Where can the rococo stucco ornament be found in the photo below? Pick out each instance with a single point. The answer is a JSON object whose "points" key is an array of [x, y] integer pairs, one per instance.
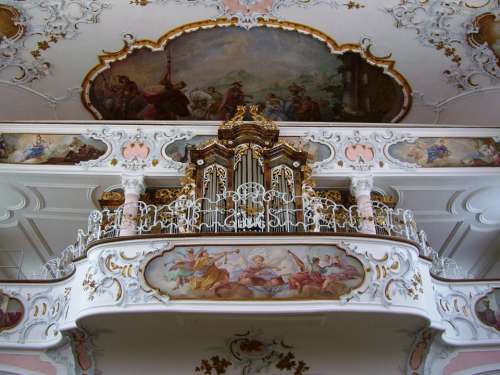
{"points": [[41, 23], [134, 151], [247, 13], [451, 26], [44, 309], [358, 151]]}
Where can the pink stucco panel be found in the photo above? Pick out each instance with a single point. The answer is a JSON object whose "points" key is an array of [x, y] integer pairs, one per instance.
{"points": [[465, 360]]}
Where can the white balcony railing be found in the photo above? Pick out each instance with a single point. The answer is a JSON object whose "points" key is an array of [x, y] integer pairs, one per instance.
{"points": [[249, 209]]}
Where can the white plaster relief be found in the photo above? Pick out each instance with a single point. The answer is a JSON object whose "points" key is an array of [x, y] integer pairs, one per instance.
{"points": [[446, 25], [395, 274], [50, 19], [485, 204], [12, 200], [379, 143], [248, 12], [481, 205], [153, 141], [43, 312], [116, 277]]}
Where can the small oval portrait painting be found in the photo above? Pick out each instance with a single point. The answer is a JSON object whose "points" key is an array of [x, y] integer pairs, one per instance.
{"points": [[11, 312]]}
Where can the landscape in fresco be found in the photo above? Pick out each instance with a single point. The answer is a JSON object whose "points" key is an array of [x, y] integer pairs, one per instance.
{"points": [[206, 74], [448, 152], [49, 149], [488, 309], [178, 150], [254, 272], [11, 312]]}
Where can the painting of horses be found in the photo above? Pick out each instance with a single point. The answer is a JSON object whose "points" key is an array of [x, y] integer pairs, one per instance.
{"points": [[205, 74], [247, 272]]}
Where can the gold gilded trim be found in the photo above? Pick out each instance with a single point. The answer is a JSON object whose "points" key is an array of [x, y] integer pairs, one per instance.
{"points": [[109, 57], [9, 19], [23, 312]]}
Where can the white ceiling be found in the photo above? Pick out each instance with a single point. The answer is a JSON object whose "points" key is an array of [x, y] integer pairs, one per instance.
{"points": [[40, 214], [437, 98]]}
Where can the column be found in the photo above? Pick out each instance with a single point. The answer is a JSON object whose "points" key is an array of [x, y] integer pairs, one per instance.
{"points": [[361, 187], [133, 187]]}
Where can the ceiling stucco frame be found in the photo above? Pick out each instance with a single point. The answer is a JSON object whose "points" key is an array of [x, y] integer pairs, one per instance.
{"points": [[130, 44]]}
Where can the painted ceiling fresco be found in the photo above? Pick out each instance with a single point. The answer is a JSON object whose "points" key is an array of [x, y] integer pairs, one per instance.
{"points": [[207, 73], [441, 65], [270, 272], [448, 152], [56, 149]]}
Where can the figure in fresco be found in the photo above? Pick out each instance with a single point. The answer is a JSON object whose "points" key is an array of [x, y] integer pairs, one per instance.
{"points": [[297, 94], [307, 110], [308, 275], [486, 154], [216, 100], [418, 354], [200, 104], [258, 273], [418, 152], [237, 274], [207, 276], [233, 98], [337, 269], [3, 147], [182, 270], [57, 149], [37, 149], [79, 151], [167, 100], [275, 108], [487, 315], [317, 278], [437, 151], [332, 85], [9, 316], [125, 99]]}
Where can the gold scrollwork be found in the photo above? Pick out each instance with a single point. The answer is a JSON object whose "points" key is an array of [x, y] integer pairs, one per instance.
{"points": [[9, 26]]}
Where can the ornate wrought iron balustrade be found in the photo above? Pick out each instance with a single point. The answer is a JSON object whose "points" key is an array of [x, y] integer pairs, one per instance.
{"points": [[249, 209]]}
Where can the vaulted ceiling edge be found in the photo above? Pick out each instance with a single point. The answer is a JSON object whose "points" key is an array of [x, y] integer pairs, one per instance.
{"points": [[48, 46]]}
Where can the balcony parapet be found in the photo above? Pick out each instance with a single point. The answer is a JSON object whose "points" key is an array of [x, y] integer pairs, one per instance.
{"points": [[249, 210], [268, 273]]}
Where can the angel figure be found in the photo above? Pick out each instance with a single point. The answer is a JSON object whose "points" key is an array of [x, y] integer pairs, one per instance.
{"points": [[308, 275], [260, 273]]}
